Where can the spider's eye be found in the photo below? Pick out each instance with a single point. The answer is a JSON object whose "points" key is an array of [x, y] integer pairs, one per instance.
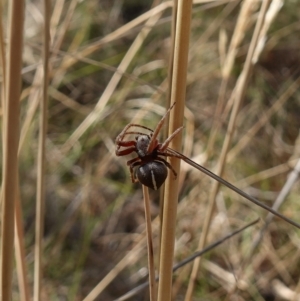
{"points": [[136, 138]]}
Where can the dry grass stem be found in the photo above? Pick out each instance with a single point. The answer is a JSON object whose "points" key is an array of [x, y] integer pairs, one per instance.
{"points": [[266, 174], [283, 292], [168, 105], [56, 16], [239, 94], [178, 92], [271, 14], [257, 239], [2, 61], [296, 296], [158, 10], [33, 102], [11, 140], [102, 102], [40, 197], [291, 180], [22, 271], [123, 62], [184, 262], [151, 267], [285, 96], [237, 38], [63, 28], [130, 258]]}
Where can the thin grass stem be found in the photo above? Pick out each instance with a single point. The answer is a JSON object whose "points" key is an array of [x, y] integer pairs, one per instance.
{"points": [[278, 104], [112, 85], [151, 267], [40, 197], [257, 238], [118, 33], [239, 94], [129, 259], [237, 38], [237, 190], [210, 247], [22, 272]]}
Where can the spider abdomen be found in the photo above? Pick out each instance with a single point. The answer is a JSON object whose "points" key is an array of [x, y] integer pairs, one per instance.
{"points": [[152, 174]]}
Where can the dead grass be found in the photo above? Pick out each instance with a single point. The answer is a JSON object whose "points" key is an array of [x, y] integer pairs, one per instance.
{"points": [[109, 68]]}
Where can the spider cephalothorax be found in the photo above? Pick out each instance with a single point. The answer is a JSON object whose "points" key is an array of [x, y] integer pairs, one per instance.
{"points": [[151, 168]]}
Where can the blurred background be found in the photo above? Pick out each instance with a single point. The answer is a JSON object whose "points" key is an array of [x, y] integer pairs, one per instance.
{"points": [[107, 69]]}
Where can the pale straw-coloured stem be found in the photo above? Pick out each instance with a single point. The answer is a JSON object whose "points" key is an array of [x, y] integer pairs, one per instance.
{"points": [[40, 197], [22, 272], [151, 267], [178, 91]]}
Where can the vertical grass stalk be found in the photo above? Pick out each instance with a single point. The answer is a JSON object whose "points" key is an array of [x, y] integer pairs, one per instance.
{"points": [[2, 61], [11, 141], [178, 91], [168, 104], [151, 267], [22, 272], [40, 198]]}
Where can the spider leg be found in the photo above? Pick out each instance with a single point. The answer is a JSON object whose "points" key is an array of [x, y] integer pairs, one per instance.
{"points": [[125, 130], [125, 143], [166, 143], [152, 145], [119, 140], [125, 151], [120, 143], [169, 154], [142, 126], [136, 133], [168, 165], [132, 163]]}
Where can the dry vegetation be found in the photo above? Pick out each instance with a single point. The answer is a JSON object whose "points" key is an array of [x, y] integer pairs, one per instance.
{"points": [[108, 69]]}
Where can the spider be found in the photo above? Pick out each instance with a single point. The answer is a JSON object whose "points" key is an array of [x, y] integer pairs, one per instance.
{"points": [[151, 168]]}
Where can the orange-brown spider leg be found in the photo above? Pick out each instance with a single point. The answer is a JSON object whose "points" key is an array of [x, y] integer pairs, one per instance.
{"points": [[125, 152], [166, 143], [151, 145], [125, 130]]}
